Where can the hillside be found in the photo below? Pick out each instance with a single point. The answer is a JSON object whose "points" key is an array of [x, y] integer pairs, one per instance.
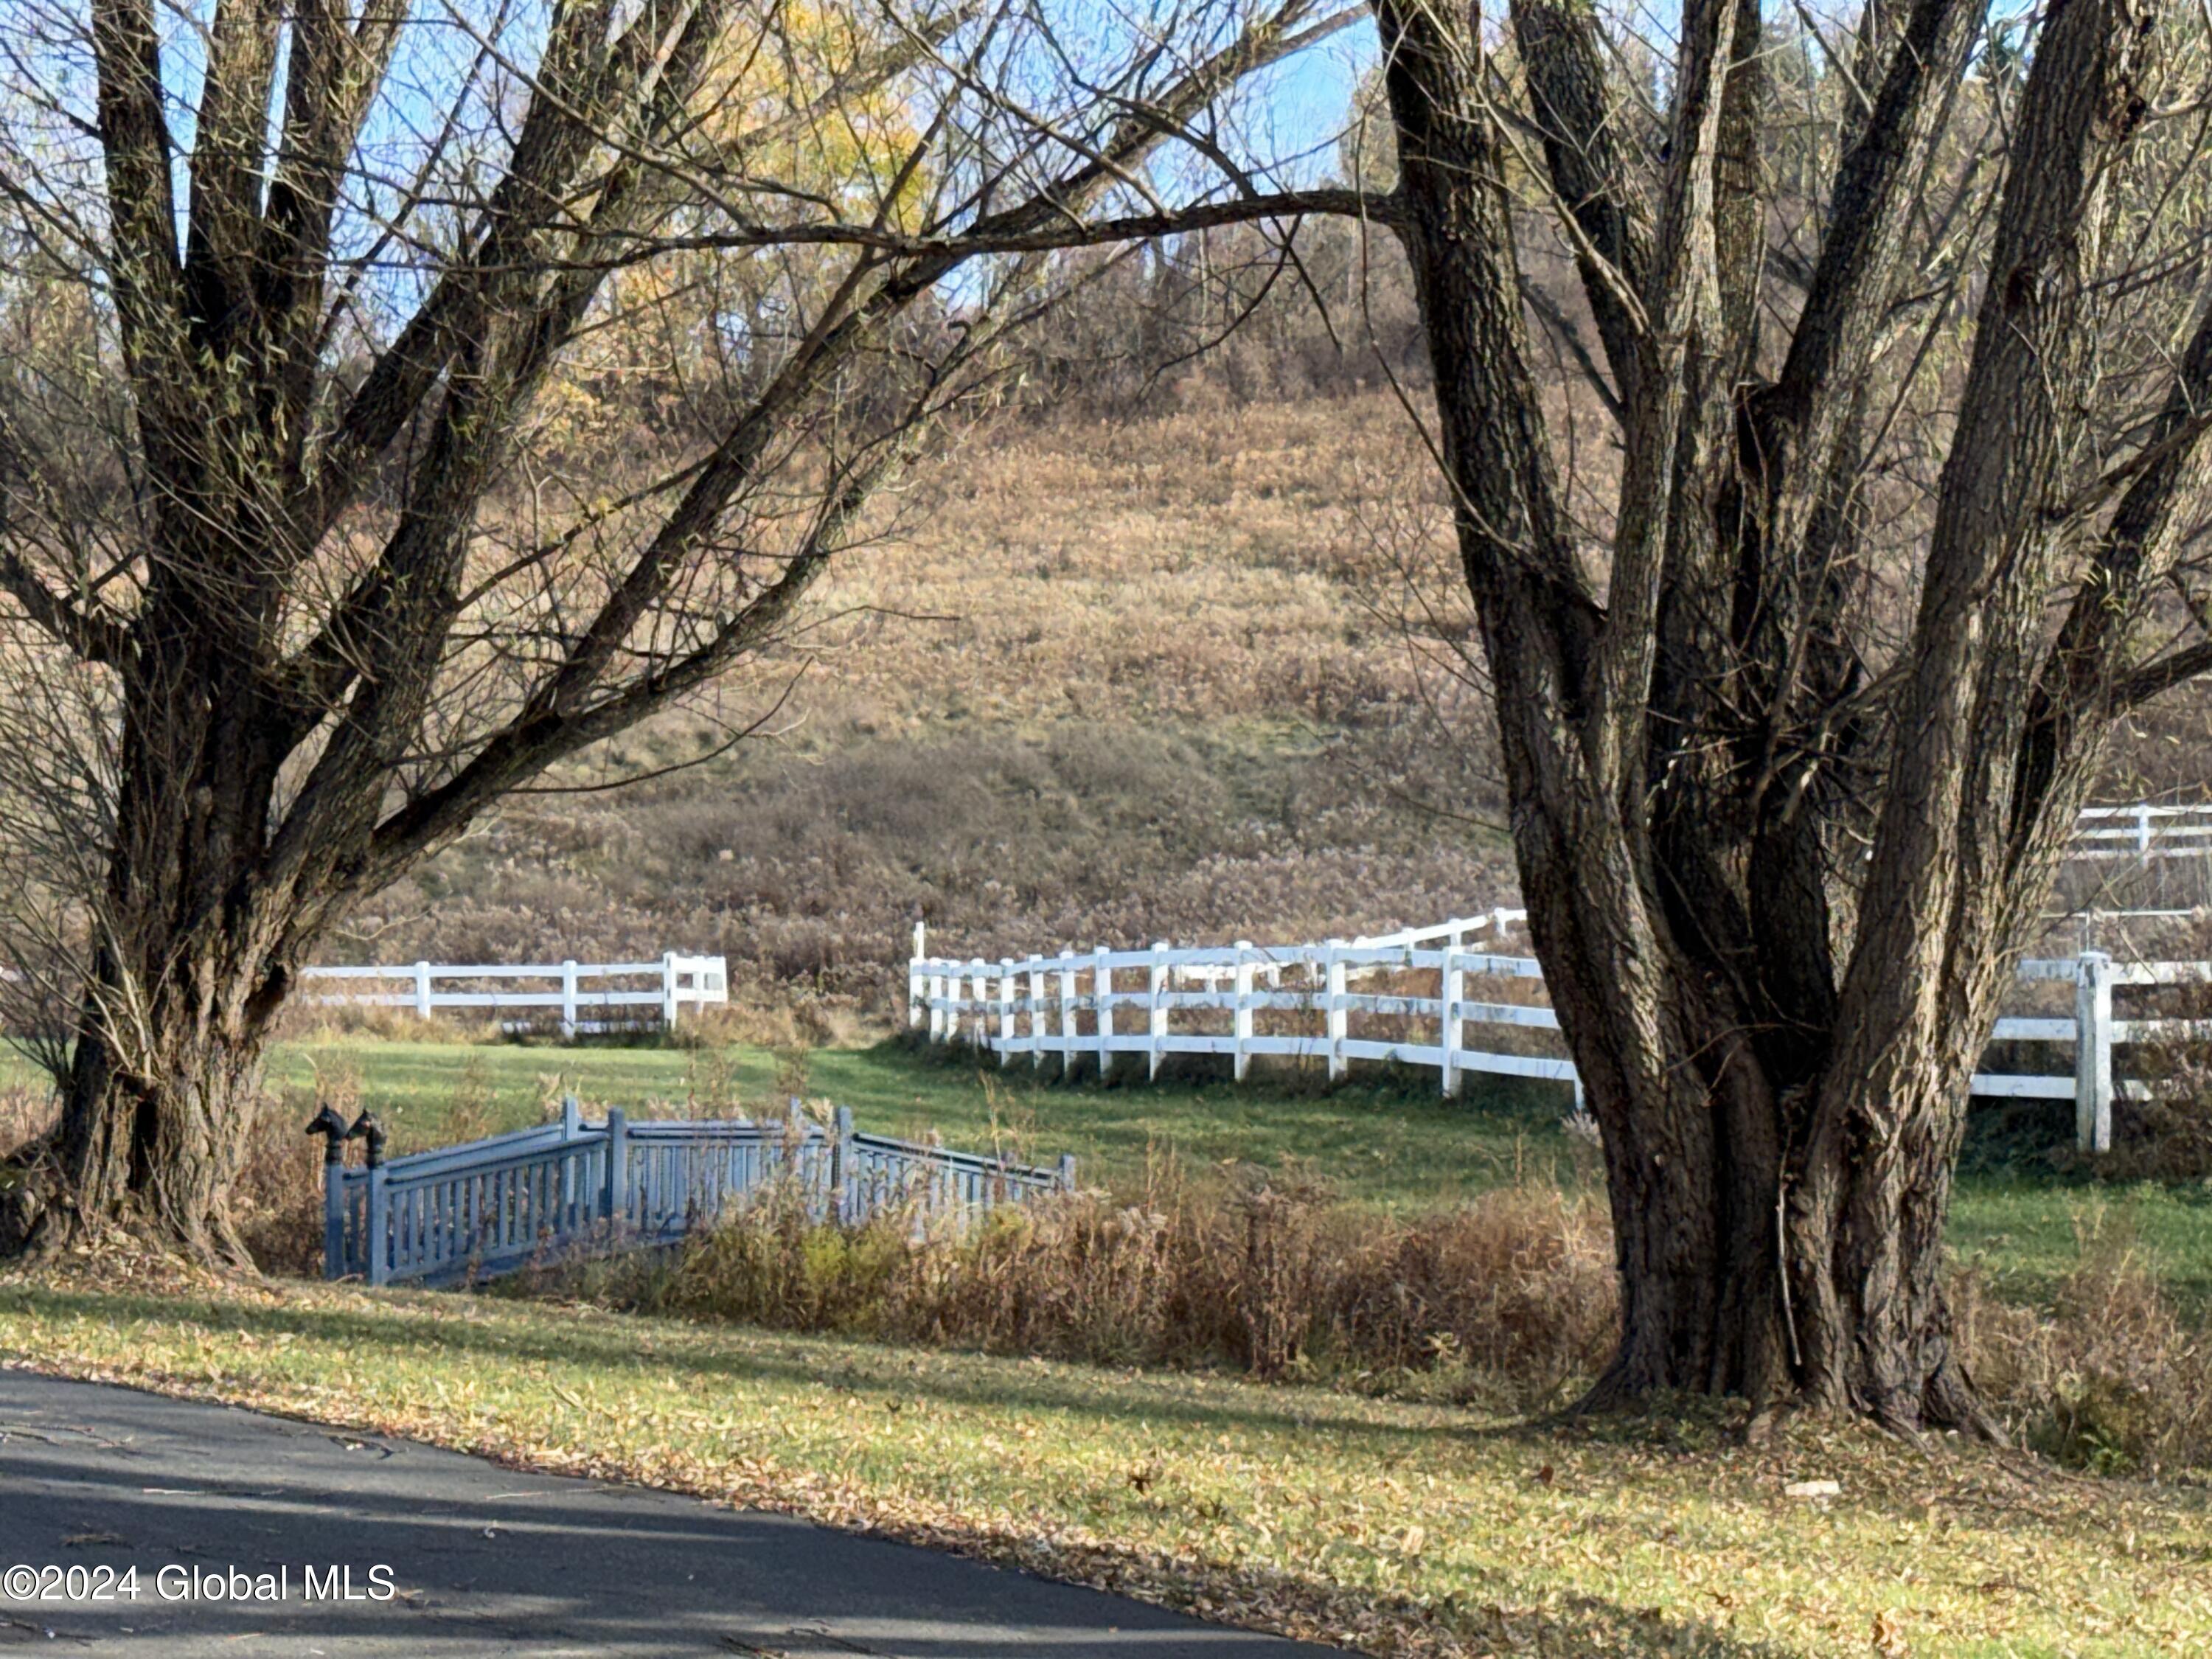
{"points": [[1086, 685], [1090, 683]]}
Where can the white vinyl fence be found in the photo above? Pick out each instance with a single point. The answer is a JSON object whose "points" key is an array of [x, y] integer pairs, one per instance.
{"points": [[590, 996], [1103, 1003], [2142, 831], [1035, 1006]]}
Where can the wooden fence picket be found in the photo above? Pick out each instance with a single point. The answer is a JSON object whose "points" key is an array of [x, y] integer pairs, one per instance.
{"points": [[487, 1208]]}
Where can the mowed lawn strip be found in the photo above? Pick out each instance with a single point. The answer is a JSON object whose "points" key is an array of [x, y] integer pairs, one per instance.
{"points": [[1397, 1528], [1375, 1141], [1385, 1143]]}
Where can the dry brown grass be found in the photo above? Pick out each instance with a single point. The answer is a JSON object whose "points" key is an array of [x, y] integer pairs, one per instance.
{"points": [[1093, 684], [27, 1112], [2111, 1376], [1508, 1299], [1508, 1302]]}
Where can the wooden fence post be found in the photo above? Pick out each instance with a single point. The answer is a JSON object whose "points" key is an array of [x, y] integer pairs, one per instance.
{"points": [[840, 1163], [423, 989], [668, 989], [1240, 1060], [915, 987], [1068, 1172], [1036, 1013], [1339, 1018], [1452, 1033], [1101, 995], [1067, 1014], [572, 1131], [379, 1218], [1156, 1008], [979, 1026], [2092, 1052], [615, 1203], [334, 1176], [569, 998], [1006, 1001], [938, 994]]}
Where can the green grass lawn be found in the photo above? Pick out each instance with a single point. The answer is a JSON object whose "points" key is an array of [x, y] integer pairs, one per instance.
{"points": [[1386, 1142], [1400, 1529], [1378, 1142]]}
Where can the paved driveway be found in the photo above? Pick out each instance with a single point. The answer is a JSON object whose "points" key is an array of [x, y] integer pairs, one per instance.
{"points": [[477, 1559]]}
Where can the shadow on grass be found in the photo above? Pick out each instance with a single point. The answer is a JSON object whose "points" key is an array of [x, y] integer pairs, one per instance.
{"points": [[609, 1342], [2016, 1491], [592, 1557]]}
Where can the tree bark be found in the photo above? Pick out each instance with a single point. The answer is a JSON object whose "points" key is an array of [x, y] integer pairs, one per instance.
{"points": [[191, 960], [1780, 1088]]}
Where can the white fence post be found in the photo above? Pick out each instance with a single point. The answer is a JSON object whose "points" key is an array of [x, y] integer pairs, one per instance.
{"points": [[916, 989], [1339, 1018], [1101, 993], [668, 989], [1453, 1029], [569, 998], [2143, 830], [423, 989], [1006, 1001], [2092, 1052], [1155, 1007], [1067, 1014], [1241, 1061], [1037, 1012], [979, 1029], [937, 995]]}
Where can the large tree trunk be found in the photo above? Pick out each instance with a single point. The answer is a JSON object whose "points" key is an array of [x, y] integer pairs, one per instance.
{"points": [[1775, 1031], [1756, 1258], [191, 947], [153, 1132]]}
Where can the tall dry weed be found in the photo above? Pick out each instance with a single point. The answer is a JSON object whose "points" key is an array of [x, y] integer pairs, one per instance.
{"points": [[1509, 1299], [28, 1113], [1508, 1302], [2111, 1376]]}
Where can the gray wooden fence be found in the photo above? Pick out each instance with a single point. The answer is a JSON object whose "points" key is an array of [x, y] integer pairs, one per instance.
{"points": [[486, 1208]]}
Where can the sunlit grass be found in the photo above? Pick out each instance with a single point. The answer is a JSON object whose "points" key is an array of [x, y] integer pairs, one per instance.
{"points": [[1405, 1529], [1388, 1142]]}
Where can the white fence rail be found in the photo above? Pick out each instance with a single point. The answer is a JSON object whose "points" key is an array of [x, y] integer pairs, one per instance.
{"points": [[587, 994], [1037, 1005], [1103, 1003], [2143, 831]]}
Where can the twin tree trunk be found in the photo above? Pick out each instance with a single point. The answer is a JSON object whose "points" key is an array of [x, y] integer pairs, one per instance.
{"points": [[1775, 1028], [189, 967]]}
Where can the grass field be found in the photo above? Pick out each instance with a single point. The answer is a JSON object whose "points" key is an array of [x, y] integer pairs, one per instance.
{"points": [[1380, 1142], [1401, 1528], [1396, 1526]]}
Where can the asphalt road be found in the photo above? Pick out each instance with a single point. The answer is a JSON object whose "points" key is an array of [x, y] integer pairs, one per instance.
{"points": [[479, 1559]]}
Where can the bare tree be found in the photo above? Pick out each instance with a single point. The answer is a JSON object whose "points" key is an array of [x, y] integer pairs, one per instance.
{"points": [[306, 564], [1795, 736]]}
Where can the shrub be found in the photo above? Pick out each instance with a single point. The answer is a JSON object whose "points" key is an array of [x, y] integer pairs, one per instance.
{"points": [[2110, 1377], [1508, 1299], [277, 1207], [1507, 1302]]}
